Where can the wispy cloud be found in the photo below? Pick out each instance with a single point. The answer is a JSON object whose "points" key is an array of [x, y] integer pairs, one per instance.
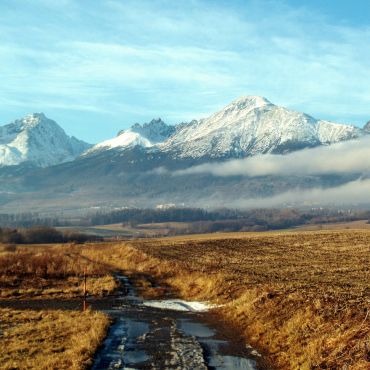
{"points": [[179, 58]]}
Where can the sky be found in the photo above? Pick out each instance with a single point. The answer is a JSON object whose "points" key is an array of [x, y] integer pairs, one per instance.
{"points": [[97, 67]]}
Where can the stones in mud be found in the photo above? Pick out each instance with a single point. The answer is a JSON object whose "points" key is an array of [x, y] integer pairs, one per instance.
{"points": [[186, 351]]}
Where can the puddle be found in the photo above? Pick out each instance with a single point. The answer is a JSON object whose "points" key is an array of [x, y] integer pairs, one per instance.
{"points": [[195, 329], [231, 362], [164, 334], [135, 357], [120, 345]]}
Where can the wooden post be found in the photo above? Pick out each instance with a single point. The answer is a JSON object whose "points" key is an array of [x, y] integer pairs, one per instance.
{"points": [[85, 292]]}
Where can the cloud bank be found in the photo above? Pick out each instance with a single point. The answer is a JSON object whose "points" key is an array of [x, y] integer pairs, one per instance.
{"points": [[346, 157], [354, 193]]}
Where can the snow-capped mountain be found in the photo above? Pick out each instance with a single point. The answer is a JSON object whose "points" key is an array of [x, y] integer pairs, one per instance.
{"points": [[37, 140], [138, 168], [253, 125], [248, 126], [146, 135]]}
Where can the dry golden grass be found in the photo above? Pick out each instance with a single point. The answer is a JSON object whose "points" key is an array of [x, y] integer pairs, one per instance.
{"points": [[302, 298], [50, 339], [50, 271]]}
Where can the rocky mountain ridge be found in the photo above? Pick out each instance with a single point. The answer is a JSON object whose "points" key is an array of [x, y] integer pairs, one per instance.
{"points": [[38, 140], [248, 126]]}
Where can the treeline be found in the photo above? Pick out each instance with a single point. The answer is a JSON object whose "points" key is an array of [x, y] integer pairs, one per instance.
{"points": [[228, 219], [212, 220], [136, 216], [29, 220], [42, 235]]}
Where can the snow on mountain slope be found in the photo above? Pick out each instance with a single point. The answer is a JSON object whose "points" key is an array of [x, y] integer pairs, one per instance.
{"points": [[367, 127], [247, 126], [125, 139], [252, 125], [330, 132], [146, 135], [38, 140]]}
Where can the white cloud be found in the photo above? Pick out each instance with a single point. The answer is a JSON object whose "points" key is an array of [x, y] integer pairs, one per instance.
{"points": [[350, 157], [350, 194], [346, 157], [182, 57]]}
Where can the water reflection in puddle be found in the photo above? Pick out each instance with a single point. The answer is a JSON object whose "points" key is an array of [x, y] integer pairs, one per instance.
{"points": [[119, 349], [156, 337], [195, 329], [212, 347], [231, 362]]}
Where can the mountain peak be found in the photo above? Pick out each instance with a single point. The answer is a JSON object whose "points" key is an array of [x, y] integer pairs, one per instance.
{"points": [[39, 140], [153, 124], [250, 101], [31, 120], [36, 115], [144, 135], [156, 131], [155, 121]]}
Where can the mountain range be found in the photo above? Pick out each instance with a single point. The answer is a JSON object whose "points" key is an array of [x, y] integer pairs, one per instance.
{"points": [[248, 126], [39, 161]]}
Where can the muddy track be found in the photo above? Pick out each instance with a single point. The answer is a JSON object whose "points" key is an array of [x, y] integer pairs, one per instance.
{"points": [[166, 334], [159, 334]]}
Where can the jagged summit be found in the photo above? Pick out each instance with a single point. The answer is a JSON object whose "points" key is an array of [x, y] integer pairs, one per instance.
{"points": [[156, 130], [145, 135], [28, 122], [367, 126], [33, 119], [38, 140], [155, 123]]}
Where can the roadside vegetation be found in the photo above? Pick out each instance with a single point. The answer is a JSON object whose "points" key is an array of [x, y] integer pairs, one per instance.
{"points": [[50, 271], [50, 339], [302, 298]]}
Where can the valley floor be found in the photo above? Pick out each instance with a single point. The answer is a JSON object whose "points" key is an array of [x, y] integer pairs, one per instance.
{"points": [[301, 298]]}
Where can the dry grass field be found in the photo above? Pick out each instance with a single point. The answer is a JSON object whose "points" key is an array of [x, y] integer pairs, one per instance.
{"points": [[150, 230], [50, 339], [49, 271], [302, 298]]}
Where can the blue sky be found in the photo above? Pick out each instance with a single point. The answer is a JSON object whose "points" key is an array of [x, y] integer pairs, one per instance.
{"points": [[98, 66]]}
